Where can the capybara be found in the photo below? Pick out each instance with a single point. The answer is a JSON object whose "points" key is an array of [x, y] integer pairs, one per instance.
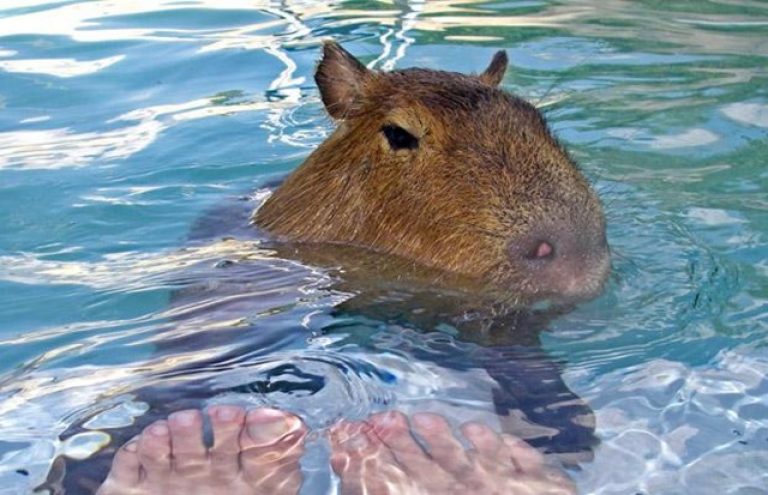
{"points": [[449, 171]]}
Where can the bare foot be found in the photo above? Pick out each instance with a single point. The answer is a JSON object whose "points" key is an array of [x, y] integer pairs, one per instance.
{"points": [[381, 456], [252, 453]]}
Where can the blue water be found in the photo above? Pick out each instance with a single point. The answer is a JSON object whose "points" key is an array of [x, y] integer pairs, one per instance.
{"points": [[123, 124]]}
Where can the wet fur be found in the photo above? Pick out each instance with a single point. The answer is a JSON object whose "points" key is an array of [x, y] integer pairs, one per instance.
{"points": [[487, 170]]}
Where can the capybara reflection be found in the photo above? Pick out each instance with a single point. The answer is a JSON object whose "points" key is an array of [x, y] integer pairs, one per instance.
{"points": [[449, 171]]}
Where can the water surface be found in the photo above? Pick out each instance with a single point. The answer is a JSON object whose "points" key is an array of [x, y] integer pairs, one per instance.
{"points": [[123, 124]]}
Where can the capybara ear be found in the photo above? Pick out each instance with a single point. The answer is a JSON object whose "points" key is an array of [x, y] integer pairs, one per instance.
{"points": [[493, 75], [339, 76]]}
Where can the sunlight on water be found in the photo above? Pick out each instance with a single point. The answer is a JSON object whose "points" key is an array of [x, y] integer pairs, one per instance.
{"points": [[136, 139]]}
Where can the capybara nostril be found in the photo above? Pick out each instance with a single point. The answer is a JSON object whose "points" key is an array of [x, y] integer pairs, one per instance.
{"points": [[534, 248], [544, 251], [563, 258]]}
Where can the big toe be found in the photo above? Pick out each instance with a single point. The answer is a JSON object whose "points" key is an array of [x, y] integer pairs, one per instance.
{"points": [[272, 443], [525, 458], [393, 430], [485, 441], [265, 427], [351, 444], [363, 462], [443, 445]]}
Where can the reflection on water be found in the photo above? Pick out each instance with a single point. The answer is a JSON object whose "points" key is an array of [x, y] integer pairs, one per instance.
{"points": [[128, 125], [60, 67], [57, 148]]}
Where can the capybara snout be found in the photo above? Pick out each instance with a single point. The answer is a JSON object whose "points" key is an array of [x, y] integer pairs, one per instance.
{"points": [[564, 258], [449, 171]]}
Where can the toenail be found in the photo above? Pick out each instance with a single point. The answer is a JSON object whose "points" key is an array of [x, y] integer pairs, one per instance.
{"points": [[389, 418], [358, 442], [184, 418], [425, 421], [339, 434], [475, 429], [269, 425], [225, 413], [131, 446], [268, 412], [159, 430]]}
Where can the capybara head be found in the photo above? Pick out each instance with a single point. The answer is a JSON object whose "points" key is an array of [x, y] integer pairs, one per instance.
{"points": [[449, 171]]}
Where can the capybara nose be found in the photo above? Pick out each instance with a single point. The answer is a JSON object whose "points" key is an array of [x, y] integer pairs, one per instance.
{"points": [[561, 262]]}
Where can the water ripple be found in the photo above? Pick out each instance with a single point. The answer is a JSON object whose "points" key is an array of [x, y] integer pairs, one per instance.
{"points": [[124, 122]]}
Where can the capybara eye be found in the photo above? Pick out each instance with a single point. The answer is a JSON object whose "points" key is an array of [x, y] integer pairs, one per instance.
{"points": [[399, 138]]}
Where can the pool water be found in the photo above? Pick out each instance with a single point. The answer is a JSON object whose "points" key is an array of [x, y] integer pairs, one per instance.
{"points": [[135, 138]]}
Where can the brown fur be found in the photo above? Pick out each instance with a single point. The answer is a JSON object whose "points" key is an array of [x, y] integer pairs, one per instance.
{"points": [[487, 183]]}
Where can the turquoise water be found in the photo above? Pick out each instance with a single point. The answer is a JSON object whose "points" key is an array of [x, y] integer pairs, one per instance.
{"points": [[123, 124]]}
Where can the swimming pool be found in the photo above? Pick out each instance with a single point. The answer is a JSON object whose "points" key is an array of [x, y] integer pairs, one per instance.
{"points": [[129, 129]]}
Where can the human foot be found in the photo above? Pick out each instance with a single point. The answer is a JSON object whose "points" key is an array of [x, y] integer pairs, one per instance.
{"points": [[252, 453], [381, 456]]}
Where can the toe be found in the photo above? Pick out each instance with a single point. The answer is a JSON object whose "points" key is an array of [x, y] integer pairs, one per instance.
{"points": [[443, 445], [187, 448], [525, 458], [530, 463], [154, 449], [265, 427], [393, 430], [227, 424], [272, 443], [352, 454], [484, 440], [125, 472], [349, 443]]}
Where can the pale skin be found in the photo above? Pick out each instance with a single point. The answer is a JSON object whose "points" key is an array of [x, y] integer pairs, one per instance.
{"points": [[258, 452], [254, 452]]}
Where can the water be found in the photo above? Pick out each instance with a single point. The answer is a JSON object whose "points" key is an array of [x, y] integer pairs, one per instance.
{"points": [[124, 124]]}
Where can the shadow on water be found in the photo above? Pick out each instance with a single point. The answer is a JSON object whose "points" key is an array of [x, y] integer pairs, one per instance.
{"points": [[392, 313]]}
